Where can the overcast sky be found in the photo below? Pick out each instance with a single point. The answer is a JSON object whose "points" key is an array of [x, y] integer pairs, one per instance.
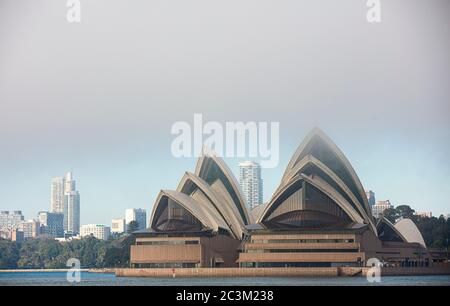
{"points": [[99, 97]]}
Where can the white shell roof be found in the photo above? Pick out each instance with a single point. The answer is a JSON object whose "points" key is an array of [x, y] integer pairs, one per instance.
{"points": [[410, 231]]}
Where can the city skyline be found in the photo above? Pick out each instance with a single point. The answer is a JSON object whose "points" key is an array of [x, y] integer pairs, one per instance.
{"points": [[100, 97]]}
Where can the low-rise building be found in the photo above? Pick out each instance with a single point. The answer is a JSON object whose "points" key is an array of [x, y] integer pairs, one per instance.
{"points": [[30, 228], [380, 207], [10, 220], [52, 224], [118, 226], [99, 231], [136, 214], [370, 197], [16, 235], [424, 214]]}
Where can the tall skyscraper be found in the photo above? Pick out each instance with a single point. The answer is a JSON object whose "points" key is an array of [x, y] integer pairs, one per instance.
{"points": [[136, 214], [251, 183], [65, 199], [57, 195], [71, 205]]}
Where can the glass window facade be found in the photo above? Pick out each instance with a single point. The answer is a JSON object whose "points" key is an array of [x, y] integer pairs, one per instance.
{"points": [[302, 205], [302, 251], [173, 216], [319, 149], [168, 242], [303, 240]]}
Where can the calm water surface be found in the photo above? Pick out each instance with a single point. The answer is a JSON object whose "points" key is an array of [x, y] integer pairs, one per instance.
{"points": [[100, 279]]}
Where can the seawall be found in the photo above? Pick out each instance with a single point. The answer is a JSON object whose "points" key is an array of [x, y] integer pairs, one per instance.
{"points": [[274, 272], [229, 272]]}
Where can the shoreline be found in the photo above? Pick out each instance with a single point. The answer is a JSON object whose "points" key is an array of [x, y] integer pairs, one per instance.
{"points": [[41, 270]]}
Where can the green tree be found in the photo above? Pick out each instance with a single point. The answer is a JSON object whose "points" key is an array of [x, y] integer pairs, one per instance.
{"points": [[118, 252], [29, 255], [9, 254], [50, 254], [48, 250], [435, 231], [132, 227], [401, 211], [390, 214], [404, 211]]}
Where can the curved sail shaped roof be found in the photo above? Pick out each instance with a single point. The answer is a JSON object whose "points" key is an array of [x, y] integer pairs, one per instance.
{"points": [[387, 231], [211, 168], [207, 200], [319, 188], [207, 216], [258, 210], [295, 184], [319, 145], [322, 165], [190, 183], [410, 231], [313, 167]]}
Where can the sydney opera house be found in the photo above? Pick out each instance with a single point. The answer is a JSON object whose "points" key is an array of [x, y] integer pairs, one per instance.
{"points": [[318, 216]]}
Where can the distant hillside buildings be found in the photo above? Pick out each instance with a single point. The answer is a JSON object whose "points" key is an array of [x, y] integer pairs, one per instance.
{"points": [[52, 223], [377, 207], [380, 207], [99, 231], [30, 229], [136, 214], [62, 222], [118, 226], [9, 220], [424, 214], [370, 197]]}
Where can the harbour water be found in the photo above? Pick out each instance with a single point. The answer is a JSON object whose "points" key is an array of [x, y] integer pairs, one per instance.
{"points": [[102, 279]]}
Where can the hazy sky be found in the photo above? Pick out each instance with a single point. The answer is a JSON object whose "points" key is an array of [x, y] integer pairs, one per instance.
{"points": [[99, 97]]}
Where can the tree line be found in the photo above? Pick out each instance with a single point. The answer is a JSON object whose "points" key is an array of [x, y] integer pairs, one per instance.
{"points": [[47, 253]]}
